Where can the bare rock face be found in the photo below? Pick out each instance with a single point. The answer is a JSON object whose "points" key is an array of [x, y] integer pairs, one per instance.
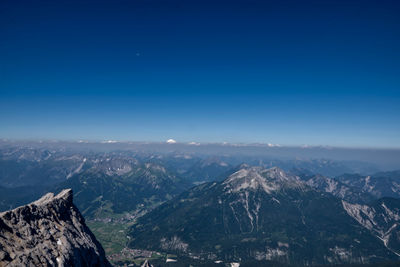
{"points": [[48, 232]]}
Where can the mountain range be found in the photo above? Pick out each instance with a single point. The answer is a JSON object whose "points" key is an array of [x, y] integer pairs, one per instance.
{"points": [[268, 214], [220, 208]]}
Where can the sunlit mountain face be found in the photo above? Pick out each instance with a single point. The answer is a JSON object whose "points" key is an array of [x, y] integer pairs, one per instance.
{"points": [[267, 215]]}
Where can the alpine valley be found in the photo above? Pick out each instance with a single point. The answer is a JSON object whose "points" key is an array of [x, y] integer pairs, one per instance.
{"points": [[206, 205]]}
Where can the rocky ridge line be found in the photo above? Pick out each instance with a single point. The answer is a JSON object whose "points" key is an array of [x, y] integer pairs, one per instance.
{"points": [[48, 232]]}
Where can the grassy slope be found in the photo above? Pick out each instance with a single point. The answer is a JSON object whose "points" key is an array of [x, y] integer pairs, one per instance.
{"points": [[112, 236]]}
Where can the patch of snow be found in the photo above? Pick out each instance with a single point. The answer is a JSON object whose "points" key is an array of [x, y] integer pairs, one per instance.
{"points": [[171, 141], [194, 144]]}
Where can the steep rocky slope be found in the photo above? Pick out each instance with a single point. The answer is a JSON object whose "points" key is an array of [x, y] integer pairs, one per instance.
{"points": [[383, 184], [259, 214], [338, 189], [382, 218], [48, 232]]}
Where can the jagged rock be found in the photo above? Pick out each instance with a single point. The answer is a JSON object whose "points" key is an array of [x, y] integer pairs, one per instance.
{"points": [[48, 232]]}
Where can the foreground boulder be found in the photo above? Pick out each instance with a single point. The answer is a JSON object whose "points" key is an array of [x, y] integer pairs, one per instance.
{"points": [[48, 232]]}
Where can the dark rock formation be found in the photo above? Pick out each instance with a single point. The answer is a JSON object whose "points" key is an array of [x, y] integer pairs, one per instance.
{"points": [[48, 232]]}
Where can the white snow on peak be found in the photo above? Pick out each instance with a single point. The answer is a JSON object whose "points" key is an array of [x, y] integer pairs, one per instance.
{"points": [[171, 141], [194, 144], [273, 145], [109, 142]]}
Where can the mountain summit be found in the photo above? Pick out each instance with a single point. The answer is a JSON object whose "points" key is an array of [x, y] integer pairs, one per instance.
{"points": [[258, 214], [254, 178], [48, 232]]}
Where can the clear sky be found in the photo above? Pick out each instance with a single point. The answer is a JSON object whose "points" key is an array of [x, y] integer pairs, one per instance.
{"points": [[286, 72]]}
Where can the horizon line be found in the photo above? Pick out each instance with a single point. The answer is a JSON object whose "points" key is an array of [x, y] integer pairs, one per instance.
{"points": [[191, 143]]}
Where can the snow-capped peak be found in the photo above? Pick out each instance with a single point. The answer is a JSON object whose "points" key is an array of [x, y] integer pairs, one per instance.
{"points": [[194, 143]]}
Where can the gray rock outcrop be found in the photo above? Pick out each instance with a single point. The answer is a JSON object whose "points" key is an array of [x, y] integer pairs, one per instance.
{"points": [[48, 232]]}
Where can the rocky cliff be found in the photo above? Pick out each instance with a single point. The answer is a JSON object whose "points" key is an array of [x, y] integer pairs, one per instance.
{"points": [[48, 232]]}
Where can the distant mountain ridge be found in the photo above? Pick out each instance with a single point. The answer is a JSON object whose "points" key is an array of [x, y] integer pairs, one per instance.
{"points": [[133, 187], [47, 165], [240, 211], [338, 189], [382, 184]]}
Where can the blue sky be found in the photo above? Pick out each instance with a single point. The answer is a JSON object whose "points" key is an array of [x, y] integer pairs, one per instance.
{"points": [[315, 72]]}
